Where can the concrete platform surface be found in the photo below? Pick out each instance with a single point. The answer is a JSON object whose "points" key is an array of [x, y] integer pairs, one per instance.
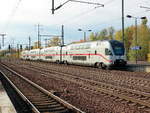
{"points": [[5, 104]]}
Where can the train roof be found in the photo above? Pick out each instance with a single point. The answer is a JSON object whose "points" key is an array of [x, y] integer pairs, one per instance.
{"points": [[25, 51], [52, 48], [34, 49], [90, 44]]}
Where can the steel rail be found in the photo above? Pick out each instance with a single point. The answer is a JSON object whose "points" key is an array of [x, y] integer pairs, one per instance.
{"points": [[95, 82], [69, 106], [34, 109], [100, 89]]}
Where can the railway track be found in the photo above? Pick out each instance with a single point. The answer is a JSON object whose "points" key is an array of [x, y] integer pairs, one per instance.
{"points": [[40, 100], [129, 81], [124, 95], [132, 82]]}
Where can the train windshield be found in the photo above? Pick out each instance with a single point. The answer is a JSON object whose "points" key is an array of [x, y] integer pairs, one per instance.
{"points": [[118, 47]]}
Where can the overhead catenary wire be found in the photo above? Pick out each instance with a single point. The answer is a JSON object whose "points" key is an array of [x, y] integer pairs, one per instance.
{"points": [[79, 1], [145, 7], [71, 19], [86, 12], [102, 5]]}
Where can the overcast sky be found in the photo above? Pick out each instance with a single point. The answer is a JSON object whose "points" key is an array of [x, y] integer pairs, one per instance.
{"points": [[19, 18]]}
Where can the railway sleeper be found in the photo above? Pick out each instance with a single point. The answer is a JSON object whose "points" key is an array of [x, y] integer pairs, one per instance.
{"points": [[39, 101], [124, 101], [147, 109], [39, 97], [62, 111], [48, 103], [141, 107], [144, 98], [132, 104], [119, 100], [31, 95], [49, 106], [49, 109]]}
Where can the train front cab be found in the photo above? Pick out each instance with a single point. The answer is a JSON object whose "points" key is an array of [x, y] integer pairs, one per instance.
{"points": [[118, 53]]}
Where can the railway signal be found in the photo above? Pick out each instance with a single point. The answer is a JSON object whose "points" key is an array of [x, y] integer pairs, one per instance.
{"points": [[21, 47], [9, 47]]}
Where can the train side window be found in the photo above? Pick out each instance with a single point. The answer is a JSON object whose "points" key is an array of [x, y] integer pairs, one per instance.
{"points": [[108, 52], [95, 52], [83, 58], [48, 57]]}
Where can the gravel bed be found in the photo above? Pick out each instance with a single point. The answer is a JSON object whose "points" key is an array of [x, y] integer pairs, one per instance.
{"points": [[74, 94]]}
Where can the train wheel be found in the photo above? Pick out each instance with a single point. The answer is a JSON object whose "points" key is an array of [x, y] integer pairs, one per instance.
{"points": [[98, 65], [65, 62], [108, 68], [57, 61], [103, 66]]}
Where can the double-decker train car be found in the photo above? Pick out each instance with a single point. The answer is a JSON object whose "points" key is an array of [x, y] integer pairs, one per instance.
{"points": [[102, 54], [99, 53], [51, 54], [34, 54], [24, 55]]}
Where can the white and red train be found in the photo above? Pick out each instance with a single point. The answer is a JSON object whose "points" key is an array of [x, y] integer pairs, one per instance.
{"points": [[102, 54]]}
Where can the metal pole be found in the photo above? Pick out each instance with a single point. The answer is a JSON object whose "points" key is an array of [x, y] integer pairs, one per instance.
{"points": [[123, 40], [62, 35], [3, 40], [29, 43], [38, 36], [18, 50], [62, 43], [84, 36], [53, 7], [45, 42], [136, 37]]}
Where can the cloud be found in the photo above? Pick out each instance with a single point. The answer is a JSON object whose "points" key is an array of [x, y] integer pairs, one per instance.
{"points": [[72, 15]]}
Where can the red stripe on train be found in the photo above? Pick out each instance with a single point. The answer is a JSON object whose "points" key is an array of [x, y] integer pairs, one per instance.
{"points": [[72, 55]]}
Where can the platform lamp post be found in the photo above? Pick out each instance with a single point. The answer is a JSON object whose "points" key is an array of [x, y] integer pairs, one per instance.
{"points": [[136, 18], [84, 31]]}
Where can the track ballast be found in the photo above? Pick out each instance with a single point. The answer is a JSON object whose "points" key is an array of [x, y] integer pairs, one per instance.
{"points": [[38, 98]]}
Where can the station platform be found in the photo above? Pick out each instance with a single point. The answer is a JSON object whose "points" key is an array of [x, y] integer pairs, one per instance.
{"points": [[5, 103], [142, 63], [140, 66]]}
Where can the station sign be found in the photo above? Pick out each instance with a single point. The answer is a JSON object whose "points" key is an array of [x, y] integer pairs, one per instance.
{"points": [[136, 48]]}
